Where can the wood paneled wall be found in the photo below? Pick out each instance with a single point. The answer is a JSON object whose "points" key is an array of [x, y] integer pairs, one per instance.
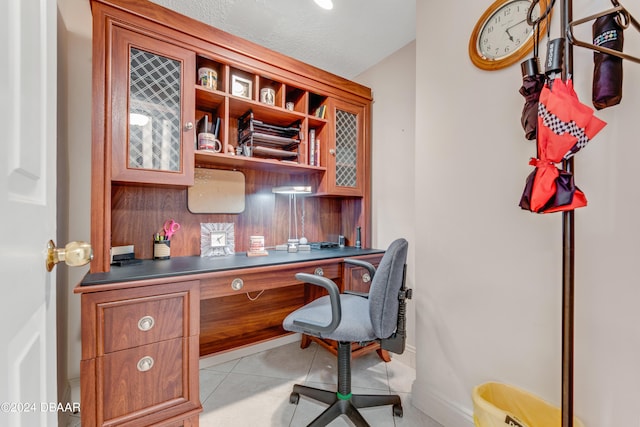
{"points": [[139, 211]]}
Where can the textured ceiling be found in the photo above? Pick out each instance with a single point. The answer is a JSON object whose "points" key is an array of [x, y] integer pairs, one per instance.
{"points": [[346, 41]]}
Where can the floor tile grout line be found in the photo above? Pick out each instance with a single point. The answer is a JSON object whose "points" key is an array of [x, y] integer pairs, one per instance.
{"points": [[226, 375], [305, 381]]}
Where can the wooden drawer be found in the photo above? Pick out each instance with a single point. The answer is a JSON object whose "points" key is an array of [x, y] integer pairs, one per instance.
{"points": [[358, 278], [258, 279], [147, 380], [139, 321], [118, 319]]}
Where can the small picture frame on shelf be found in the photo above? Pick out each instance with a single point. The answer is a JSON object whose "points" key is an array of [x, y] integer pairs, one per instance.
{"points": [[217, 239], [241, 87]]}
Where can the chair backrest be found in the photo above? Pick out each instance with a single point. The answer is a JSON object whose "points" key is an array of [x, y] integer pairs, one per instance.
{"points": [[385, 286]]}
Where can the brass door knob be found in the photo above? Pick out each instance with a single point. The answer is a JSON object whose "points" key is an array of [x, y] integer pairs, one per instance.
{"points": [[74, 254]]}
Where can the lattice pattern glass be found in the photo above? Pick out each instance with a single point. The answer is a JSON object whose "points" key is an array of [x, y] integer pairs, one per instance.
{"points": [[154, 112], [346, 148]]}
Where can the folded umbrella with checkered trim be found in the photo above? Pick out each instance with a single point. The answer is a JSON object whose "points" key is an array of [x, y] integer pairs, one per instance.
{"points": [[565, 126]]}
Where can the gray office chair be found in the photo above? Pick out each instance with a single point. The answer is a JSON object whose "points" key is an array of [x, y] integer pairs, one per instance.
{"points": [[355, 317]]}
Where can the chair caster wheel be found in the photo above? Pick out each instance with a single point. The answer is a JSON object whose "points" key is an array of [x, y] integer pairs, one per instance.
{"points": [[397, 411], [295, 397]]}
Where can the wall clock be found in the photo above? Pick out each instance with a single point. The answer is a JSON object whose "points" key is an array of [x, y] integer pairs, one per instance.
{"points": [[502, 35]]}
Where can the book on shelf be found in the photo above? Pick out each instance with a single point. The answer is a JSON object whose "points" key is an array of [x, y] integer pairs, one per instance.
{"points": [[321, 111], [317, 152], [312, 147], [216, 127]]}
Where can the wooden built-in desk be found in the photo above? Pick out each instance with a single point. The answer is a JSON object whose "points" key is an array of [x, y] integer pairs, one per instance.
{"points": [[144, 326]]}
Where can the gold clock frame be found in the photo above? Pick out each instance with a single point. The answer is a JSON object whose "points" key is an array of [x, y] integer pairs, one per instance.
{"points": [[495, 64]]}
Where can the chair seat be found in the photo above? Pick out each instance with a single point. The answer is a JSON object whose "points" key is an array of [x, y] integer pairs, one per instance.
{"points": [[355, 325]]}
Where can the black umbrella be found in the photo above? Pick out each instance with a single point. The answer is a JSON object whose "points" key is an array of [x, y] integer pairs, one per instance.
{"points": [[532, 84], [607, 69]]}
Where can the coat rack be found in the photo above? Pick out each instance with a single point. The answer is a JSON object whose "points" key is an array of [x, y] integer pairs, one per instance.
{"points": [[627, 19], [568, 229]]}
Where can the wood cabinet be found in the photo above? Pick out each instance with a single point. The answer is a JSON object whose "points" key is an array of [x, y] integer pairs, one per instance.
{"points": [[148, 99], [357, 278], [151, 116], [149, 105], [140, 355], [258, 299], [345, 151], [142, 335]]}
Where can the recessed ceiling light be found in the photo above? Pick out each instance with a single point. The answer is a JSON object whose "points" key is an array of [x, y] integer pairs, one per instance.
{"points": [[325, 4]]}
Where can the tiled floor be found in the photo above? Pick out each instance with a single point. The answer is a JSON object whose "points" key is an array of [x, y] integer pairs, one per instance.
{"points": [[253, 391]]}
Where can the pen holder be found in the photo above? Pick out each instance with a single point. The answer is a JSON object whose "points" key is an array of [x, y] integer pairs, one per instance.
{"points": [[162, 249]]}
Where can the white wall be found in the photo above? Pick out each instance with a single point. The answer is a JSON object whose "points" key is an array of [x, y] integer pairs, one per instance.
{"points": [[489, 300], [393, 134], [74, 168]]}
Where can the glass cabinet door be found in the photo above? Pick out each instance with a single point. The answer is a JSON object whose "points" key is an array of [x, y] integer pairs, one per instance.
{"points": [[153, 141], [346, 149], [345, 166]]}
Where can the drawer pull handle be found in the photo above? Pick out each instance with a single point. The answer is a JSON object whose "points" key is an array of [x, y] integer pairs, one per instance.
{"points": [[366, 278], [237, 284], [319, 271], [146, 323], [145, 364]]}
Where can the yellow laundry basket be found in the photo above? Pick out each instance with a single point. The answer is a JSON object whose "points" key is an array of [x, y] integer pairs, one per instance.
{"points": [[501, 405]]}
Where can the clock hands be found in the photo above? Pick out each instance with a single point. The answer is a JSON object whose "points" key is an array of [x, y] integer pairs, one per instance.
{"points": [[514, 25]]}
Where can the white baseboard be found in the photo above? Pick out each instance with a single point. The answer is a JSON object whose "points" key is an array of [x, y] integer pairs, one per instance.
{"points": [[408, 357], [71, 396], [74, 390], [447, 413], [208, 361]]}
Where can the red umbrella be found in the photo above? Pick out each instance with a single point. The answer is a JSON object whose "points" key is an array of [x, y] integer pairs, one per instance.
{"points": [[565, 126]]}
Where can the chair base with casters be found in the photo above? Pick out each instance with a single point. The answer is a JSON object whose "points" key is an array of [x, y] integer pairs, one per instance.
{"points": [[343, 402], [346, 318]]}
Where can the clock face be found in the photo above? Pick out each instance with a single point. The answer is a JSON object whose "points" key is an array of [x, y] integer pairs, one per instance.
{"points": [[502, 35], [218, 239], [506, 30]]}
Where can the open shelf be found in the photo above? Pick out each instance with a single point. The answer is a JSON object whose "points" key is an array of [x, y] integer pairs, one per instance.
{"points": [[212, 159], [264, 112], [209, 99]]}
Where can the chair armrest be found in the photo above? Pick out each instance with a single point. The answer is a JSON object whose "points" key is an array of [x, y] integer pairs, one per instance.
{"points": [[334, 298], [361, 263]]}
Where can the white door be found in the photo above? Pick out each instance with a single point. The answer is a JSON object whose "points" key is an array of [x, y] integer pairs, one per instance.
{"points": [[28, 212]]}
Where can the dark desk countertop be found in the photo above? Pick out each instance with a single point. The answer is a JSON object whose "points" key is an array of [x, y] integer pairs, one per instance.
{"points": [[181, 266]]}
